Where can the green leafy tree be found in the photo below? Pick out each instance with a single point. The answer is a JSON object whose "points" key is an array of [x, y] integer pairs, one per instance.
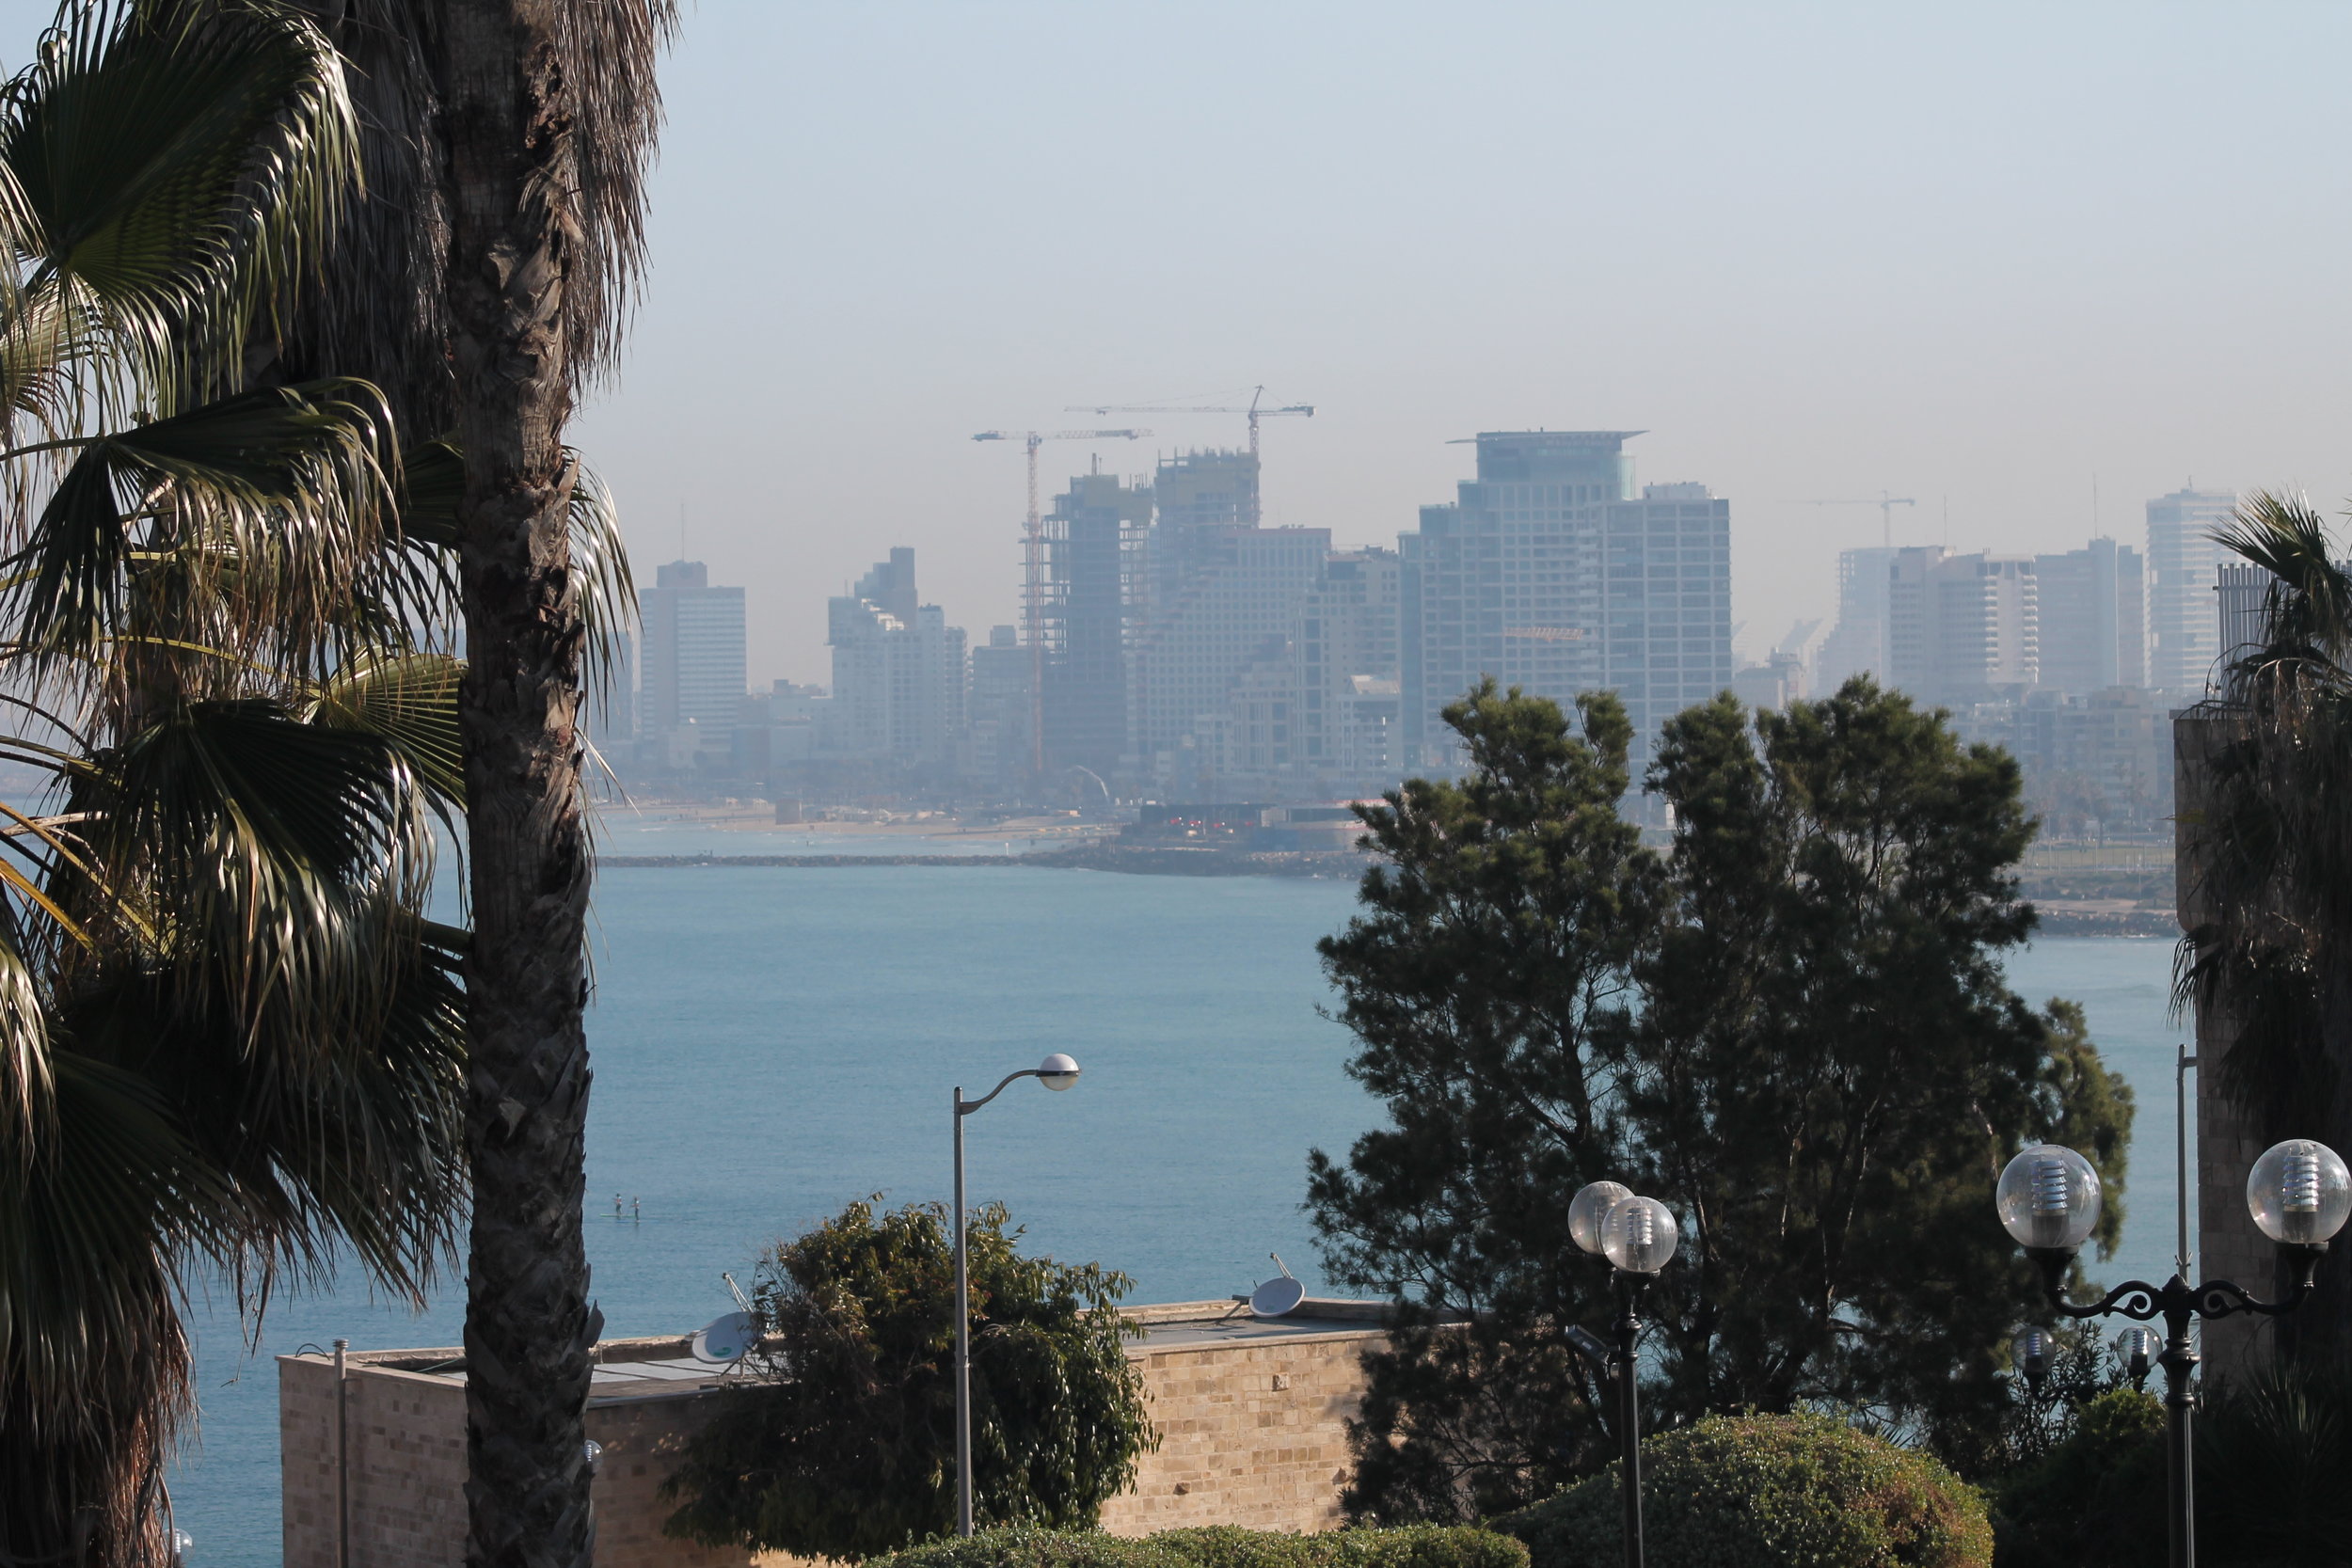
{"points": [[1490, 982], [1792, 1027], [1831, 1068], [845, 1447]]}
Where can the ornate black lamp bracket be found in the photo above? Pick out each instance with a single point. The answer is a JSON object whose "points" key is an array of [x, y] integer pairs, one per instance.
{"points": [[2176, 1298]]}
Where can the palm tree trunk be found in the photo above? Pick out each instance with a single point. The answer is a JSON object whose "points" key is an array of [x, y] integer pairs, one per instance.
{"points": [[507, 118]]}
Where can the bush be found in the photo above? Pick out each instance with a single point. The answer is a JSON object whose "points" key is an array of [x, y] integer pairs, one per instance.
{"points": [[2097, 1500], [844, 1445], [1769, 1492], [1219, 1547], [2273, 1449]]}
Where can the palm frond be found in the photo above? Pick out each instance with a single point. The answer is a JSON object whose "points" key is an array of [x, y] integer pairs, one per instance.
{"points": [[608, 590], [255, 525], [2309, 611], [409, 701], [175, 162]]}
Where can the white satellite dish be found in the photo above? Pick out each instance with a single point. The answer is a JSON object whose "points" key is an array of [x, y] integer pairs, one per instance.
{"points": [[1276, 1296], [725, 1340]]}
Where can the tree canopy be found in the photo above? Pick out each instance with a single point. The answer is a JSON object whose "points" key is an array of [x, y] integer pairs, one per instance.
{"points": [[843, 1446], [1791, 1025]]}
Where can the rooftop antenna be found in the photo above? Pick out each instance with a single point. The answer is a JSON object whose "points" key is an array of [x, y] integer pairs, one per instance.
{"points": [[1277, 1297]]}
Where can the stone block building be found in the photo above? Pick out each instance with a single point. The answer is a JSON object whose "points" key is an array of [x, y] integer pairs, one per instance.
{"points": [[1251, 1415]]}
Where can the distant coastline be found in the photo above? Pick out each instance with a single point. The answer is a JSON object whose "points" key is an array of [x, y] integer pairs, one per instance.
{"points": [[2060, 914]]}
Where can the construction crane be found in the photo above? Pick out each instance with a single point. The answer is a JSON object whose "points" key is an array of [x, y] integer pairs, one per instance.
{"points": [[1253, 410], [1033, 570], [1884, 502]]}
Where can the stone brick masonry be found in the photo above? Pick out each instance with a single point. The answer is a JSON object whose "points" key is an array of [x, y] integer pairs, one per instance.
{"points": [[1252, 1421]]}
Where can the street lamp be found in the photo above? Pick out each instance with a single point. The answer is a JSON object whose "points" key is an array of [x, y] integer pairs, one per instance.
{"points": [[1638, 1236], [1056, 1071], [2299, 1194]]}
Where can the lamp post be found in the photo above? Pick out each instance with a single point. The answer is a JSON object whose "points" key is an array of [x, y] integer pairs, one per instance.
{"points": [[1638, 1236], [1056, 1071], [2299, 1194]]}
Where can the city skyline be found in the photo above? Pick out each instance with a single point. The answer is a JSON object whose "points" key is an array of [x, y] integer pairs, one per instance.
{"points": [[1823, 253]]}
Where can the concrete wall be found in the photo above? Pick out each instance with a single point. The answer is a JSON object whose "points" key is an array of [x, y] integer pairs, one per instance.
{"points": [[1253, 1433]]}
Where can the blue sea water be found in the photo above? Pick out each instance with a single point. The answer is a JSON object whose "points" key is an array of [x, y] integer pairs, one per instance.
{"points": [[771, 1043]]}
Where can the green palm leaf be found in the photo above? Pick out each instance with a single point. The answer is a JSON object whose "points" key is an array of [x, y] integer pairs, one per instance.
{"points": [[410, 702], [170, 163], [259, 520]]}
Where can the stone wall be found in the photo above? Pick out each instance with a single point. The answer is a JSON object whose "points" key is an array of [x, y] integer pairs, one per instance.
{"points": [[1253, 1433], [1253, 1436]]}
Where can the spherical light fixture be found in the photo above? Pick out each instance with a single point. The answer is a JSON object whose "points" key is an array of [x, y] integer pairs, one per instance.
{"points": [[2299, 1193], [2031, 1352], [1639, 1235], [2136, 1349], [1589, 1208], [2049, 1197], [1057, 1071]]}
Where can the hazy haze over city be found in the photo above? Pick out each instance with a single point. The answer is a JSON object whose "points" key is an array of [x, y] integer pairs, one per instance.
{"points": [[1972, 254]]}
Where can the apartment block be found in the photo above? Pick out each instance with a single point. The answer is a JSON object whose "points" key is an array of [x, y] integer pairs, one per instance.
{"points": [[2093, 617], [1547, 573], [2184, 639], [1961, 627], [899, 678], [690, 660], [1856, 645], [1094, 540]]}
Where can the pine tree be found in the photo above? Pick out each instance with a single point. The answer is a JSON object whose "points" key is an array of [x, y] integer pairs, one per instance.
{"points": [[1792, 1027]]}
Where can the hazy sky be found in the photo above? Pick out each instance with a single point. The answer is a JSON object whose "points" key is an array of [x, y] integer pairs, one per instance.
{"points": [[1975, 254]]}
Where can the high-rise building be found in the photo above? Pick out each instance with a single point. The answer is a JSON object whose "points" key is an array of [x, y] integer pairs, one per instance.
{"points": [[1001, 712], [1958, 626], [2094, 619], [1549, 574], [1092, 537], [1857, 644], [1346, 652], [899, 684], [2181, 556], [1215, 596], [692, 659]]}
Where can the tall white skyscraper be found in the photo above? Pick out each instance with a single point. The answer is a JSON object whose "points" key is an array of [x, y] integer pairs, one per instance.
{"points": [[2184, 624], [691, 659]]}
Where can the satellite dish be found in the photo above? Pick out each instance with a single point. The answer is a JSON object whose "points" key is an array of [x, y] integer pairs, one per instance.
{"points": [[723, 1341], [1276, 1297]]}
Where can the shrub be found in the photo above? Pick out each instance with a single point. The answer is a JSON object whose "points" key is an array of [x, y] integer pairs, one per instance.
{"points": [[845, 1446], [1219, 1546], [1769, 1492], [2273, 1449], [2097, 1499]]}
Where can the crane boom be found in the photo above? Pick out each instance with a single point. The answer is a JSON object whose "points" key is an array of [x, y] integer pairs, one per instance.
{"points": [[1033, 571], [1253, 408]]}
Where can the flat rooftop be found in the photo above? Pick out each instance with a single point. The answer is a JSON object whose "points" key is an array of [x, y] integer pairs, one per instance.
{"points": [[664, 1366]]}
